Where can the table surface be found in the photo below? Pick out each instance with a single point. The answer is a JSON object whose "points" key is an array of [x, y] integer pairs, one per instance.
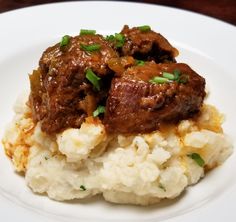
{"points": [[221, 9]]}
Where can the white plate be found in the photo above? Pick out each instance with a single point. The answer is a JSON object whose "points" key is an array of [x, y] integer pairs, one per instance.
{"points": [[208, 45]]}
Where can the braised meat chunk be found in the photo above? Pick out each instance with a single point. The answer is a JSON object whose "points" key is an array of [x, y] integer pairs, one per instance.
{"points": [[144, 44], [145, 96], [62, 94]]}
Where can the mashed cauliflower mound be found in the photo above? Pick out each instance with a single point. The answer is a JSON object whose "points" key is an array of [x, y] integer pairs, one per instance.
{"points": [[140, 169]]}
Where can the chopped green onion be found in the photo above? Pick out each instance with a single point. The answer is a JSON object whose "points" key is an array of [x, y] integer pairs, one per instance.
{"points": [[176, 73], [93, 78], [168, 75], [82, 187], [65, 40], [162, 187], [159, 80], [99, 110], [139, 62], [118, 38], [87, 32], [197, 158], [90, 48], [144, 28], [110, 37], [183, 79]]}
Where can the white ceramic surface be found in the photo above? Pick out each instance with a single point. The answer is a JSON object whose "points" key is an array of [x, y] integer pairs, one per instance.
{"points": [[208, 45]]}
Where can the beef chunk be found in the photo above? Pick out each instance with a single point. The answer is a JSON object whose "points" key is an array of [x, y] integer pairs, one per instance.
{"points": [[136, 105], [61, 96], [147, 45]]}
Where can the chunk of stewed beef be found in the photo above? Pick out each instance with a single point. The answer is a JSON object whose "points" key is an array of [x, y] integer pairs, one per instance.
{"points": [[139, 102], [61, 95], [144, 44]]}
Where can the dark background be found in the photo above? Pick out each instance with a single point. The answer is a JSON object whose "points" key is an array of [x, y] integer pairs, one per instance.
{"points": [[222, 9]]}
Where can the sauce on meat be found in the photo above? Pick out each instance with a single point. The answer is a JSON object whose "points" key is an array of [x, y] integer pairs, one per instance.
{"points": [[62, 96]]}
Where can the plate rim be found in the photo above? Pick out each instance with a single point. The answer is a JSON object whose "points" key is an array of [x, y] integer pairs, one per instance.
{"points": [[116, 2]]}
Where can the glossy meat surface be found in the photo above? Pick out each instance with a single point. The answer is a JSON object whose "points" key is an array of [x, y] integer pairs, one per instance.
{"points": [[61, 96], [135, 105], [147, 45]]}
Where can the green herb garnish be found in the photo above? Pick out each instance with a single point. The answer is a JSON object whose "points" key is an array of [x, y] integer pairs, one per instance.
{"points": [[82, 187], [87, 32], [183, 79], [144, 28], [139, 62], [197, 158], [90, 48], [159, 80], [110, 37], [176, 73], [118, 39], [93, 78], [99, 110], [168, 75], [65, 40], [162, 187]]}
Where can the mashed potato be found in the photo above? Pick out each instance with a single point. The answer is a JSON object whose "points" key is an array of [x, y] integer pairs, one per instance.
{"points": [[140, 169]]}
